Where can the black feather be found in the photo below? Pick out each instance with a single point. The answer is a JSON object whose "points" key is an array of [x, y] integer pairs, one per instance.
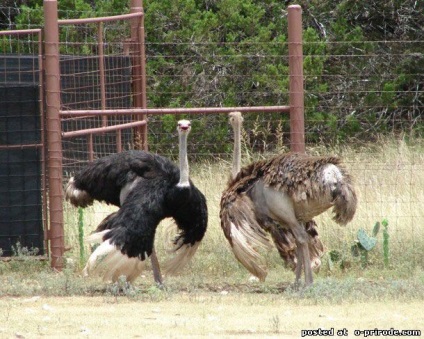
{"points": [[104, 178], [191, 218], [155, 196]]}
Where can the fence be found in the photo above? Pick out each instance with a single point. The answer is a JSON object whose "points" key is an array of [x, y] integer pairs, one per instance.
{"points": [[78, 77], [23, 203], [357, 95]]}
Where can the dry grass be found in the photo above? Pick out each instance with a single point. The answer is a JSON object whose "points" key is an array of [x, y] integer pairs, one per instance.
{"points": [[389, 178], [213, 295]]}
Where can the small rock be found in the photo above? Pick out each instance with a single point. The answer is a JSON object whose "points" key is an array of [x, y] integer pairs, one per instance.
{"points": [[48, 308], [252, 279]]}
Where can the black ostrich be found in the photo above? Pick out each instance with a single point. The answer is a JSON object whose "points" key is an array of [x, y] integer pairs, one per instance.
{"points": [[147, 188]]}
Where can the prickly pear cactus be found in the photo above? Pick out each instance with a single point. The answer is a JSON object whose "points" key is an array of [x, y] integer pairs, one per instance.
{"points": [[376, 229], [366, 241]]}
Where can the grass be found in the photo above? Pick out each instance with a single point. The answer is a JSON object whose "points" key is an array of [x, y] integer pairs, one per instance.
{"points": [[389, 179]]}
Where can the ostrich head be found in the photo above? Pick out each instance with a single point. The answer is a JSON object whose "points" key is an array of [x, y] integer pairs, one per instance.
{"points": [[235, 119], [184, 127]]}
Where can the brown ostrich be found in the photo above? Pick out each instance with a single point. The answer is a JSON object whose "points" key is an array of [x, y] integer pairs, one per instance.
{"points": [[281, 196], [283, 238]]}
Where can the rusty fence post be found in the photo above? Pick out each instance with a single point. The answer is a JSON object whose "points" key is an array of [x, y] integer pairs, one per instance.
{"points": [[139, 70], [297, 109], [102, 76], [143, 78], [54, 138]]}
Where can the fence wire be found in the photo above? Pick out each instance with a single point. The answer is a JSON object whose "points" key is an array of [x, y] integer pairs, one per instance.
{"points": [[367, 107], [22, 176]]}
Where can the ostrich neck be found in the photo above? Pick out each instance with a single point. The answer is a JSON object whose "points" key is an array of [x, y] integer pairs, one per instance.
{"points": [[184, 181], [236, 151]]}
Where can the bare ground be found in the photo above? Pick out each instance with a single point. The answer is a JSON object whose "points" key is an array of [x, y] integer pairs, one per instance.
{"points": [[218, 314]]}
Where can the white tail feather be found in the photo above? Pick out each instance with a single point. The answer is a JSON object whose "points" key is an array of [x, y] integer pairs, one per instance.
{"points": [[169, 233], [138, 267], [112, 266], [131, 268], [182, 257], [108, 262], [247, 245], [100, 253]]}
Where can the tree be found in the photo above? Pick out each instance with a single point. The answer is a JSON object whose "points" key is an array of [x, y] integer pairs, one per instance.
{"points": [[362, 65]]}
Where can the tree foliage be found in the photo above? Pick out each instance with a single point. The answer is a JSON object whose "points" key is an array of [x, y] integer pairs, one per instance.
{"points": [[363, 62]]}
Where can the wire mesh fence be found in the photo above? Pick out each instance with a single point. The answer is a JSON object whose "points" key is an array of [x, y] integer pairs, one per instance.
{"points": [[22, 177], [97, 72], [359, 113], [363, 101]]}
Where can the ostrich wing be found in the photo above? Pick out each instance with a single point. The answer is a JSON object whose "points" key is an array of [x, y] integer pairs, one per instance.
{"points": [[314, 185], [127, 236], [189, 209], [245, 235], [104, 178], [132, 228]]}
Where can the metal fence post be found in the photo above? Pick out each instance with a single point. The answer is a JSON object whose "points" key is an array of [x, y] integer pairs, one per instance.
{"points": [[54, 138], [297, 125], [139, 70]]}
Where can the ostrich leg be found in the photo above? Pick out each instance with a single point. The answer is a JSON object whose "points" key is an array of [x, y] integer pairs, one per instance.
{"points": [[302, 252], [156, 268], [299, 266], [280, 207]]}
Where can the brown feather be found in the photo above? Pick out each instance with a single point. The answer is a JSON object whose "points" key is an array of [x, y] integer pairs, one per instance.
{"points": [[245, 235], [314, 184]]}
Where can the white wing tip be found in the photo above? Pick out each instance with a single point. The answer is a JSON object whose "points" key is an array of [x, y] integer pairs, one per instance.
{"points": [[247, 246], [182, 257], [75, 196], [108, 262], [96, 237]]}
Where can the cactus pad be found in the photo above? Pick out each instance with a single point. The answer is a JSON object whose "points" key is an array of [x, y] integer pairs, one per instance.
{"points": [[366, 241], [376, 229]]}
